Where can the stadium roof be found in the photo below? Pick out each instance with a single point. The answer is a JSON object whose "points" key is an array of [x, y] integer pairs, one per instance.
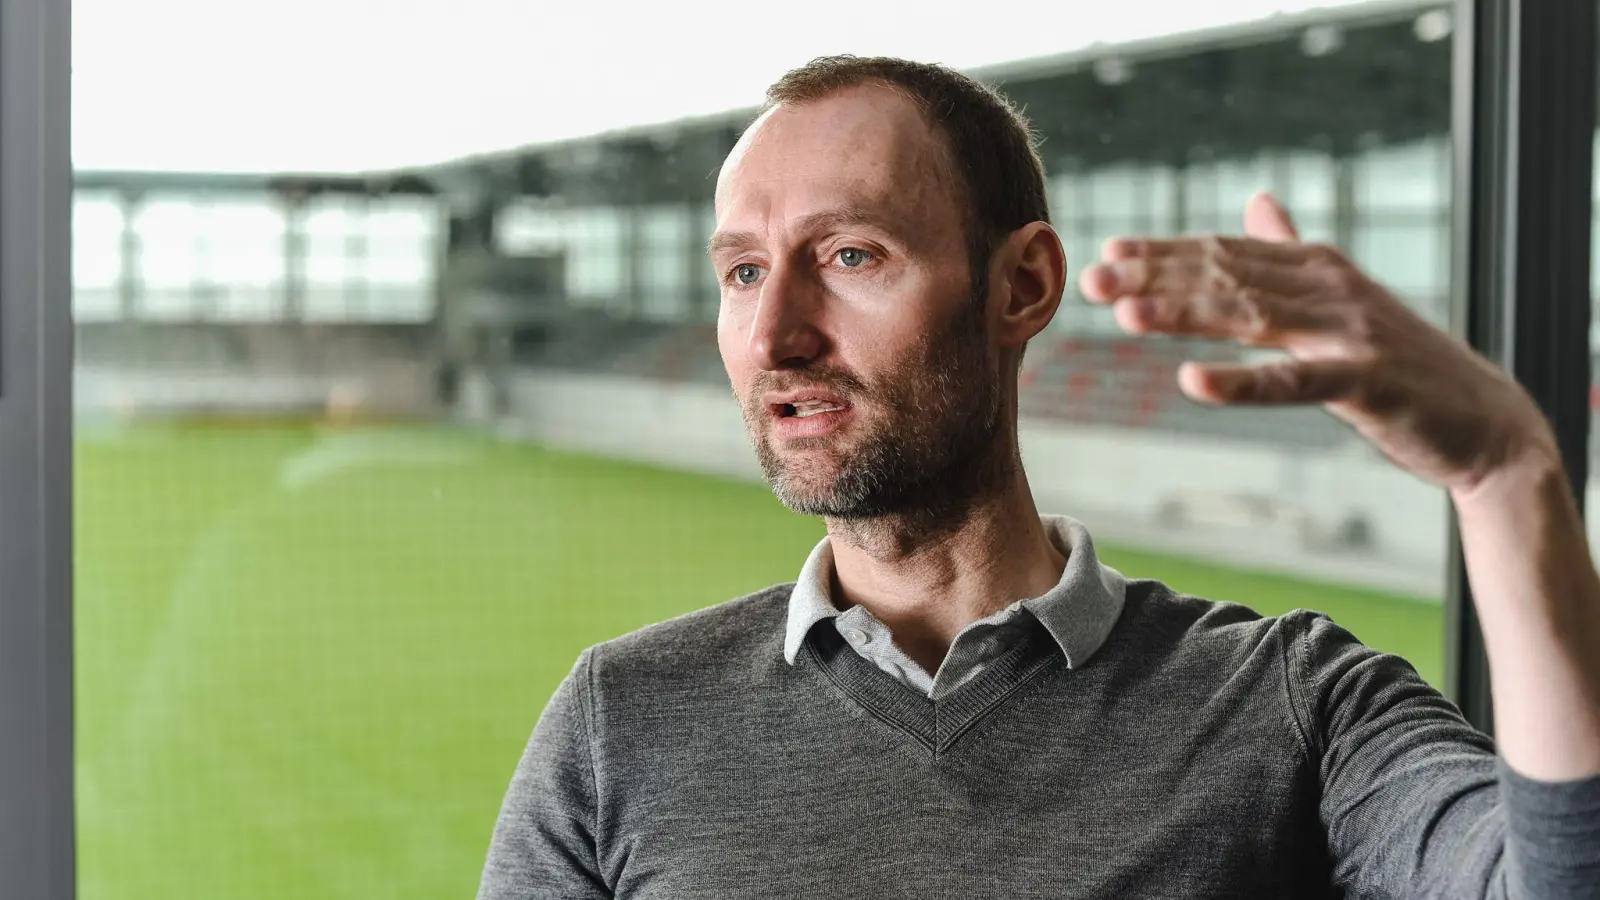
{"points": [[1375, 73], [378, 86], [1274, 27], [225, 182]]}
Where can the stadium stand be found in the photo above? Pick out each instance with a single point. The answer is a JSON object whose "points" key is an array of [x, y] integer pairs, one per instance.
{"points": [[1365, 172], [608, 276]]}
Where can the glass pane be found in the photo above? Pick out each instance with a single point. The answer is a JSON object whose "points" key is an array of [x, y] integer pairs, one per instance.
{"points": [[381, 423], [666, 248], [167, 232], [97, 224], [1410, 176], [1116, 188], [1308, 184], [1410, 254], [597, 262], [239, 256], [526, 227]]}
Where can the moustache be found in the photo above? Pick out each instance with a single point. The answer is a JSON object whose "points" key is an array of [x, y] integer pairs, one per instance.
{"points": [[839, 381]]}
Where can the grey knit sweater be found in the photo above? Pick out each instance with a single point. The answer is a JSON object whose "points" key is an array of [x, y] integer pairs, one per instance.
{"points": [[1203, 752]]}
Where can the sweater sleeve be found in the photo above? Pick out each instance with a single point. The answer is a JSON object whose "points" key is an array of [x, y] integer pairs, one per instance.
{"points": [[544, 841], [1414, 800]]}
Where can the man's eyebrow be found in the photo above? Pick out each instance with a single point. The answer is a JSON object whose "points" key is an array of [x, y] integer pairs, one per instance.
{"points": [[730, 240], [843, 217]]}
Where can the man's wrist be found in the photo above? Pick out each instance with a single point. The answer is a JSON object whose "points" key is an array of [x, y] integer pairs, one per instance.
{"points": [[1535, 476]]}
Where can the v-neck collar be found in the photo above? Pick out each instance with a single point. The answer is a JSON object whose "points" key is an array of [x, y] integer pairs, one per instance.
{"points": [[935, 724]]}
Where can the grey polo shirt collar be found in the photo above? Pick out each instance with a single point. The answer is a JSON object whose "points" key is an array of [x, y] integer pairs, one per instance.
{"points": [[1079, 612]]}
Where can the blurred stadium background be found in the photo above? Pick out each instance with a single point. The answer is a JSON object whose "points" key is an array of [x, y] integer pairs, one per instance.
{"points": [[365, 460]]}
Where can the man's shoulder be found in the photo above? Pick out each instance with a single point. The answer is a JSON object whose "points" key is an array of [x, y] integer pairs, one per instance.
{"points": [[1160, 622], [701, 642]]}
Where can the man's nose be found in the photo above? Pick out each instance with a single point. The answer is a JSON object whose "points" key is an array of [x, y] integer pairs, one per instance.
{"points": [[784, 333]]}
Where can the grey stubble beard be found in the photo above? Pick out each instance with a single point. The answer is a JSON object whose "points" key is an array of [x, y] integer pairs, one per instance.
{"points": [[936, 453]]}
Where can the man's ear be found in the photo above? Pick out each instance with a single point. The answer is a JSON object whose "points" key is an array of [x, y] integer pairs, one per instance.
{"points": [[1031, 273]]}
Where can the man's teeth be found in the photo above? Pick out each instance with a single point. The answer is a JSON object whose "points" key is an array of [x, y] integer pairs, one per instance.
{"points": [[801, 410]]}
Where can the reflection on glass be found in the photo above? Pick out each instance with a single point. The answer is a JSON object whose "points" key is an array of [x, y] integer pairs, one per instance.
{"points": [[364, 462]]}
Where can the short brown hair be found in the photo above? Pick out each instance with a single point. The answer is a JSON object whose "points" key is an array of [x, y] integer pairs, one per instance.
{"points": [[988, 139]]}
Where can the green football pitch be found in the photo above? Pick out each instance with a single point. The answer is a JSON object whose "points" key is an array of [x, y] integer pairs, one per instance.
{"points": [[309, 658]]}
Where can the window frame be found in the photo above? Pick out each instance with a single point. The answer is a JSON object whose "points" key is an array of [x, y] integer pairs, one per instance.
{"points": [[1523, 133], [37, 845], [1523, 137]]}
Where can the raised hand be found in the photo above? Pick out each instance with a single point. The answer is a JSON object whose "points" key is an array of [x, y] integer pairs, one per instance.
{"points": [[1429, 402]]}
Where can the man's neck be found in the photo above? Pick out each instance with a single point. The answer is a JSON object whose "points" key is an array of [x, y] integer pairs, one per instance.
{"points": [[927, 585]]}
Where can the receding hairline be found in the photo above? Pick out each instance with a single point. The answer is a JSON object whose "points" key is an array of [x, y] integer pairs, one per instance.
{"points": [[864, 81], [924, 110], [942, 141]]}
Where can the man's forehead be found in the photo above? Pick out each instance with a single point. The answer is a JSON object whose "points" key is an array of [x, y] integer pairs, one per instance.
{"points": [[868, 146]]}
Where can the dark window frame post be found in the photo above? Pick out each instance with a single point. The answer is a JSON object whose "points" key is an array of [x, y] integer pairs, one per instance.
{"points": [[37, 858], [1524, 123]]}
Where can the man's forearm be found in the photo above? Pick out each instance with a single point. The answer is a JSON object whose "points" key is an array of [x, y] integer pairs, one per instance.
{"points": [[1538, 598]]}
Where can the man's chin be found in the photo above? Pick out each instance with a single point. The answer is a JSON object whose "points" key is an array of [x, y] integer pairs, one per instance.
{"points": [[829, 497], [824, 505], [821, 480], [809, 492], [801, 490]]}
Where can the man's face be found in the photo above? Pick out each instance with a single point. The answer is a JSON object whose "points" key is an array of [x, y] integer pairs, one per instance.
{"points": [[848, 323]]}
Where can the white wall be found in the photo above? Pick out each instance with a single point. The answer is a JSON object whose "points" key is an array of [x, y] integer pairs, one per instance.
{"points": [[1115, 480], [389, 388], [695, 428]]}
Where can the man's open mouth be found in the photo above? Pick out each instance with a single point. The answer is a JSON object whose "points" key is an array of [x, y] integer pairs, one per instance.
{"points": [[803, 408]]}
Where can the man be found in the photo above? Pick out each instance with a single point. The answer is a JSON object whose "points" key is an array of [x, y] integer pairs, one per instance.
{"points": [[956, 699]]}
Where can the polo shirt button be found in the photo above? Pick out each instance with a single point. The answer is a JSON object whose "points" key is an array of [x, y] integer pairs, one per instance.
{"points": [[856, 636]]}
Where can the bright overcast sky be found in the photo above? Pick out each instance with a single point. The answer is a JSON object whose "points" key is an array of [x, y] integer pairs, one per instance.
{"points": [[353, 85]]}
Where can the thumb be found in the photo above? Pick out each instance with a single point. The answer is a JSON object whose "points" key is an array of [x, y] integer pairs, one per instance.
{"points": [[1265, 219]]}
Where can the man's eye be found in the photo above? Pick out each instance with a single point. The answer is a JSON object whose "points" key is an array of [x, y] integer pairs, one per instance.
{"points": [[853, 256], [746, 274]]}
